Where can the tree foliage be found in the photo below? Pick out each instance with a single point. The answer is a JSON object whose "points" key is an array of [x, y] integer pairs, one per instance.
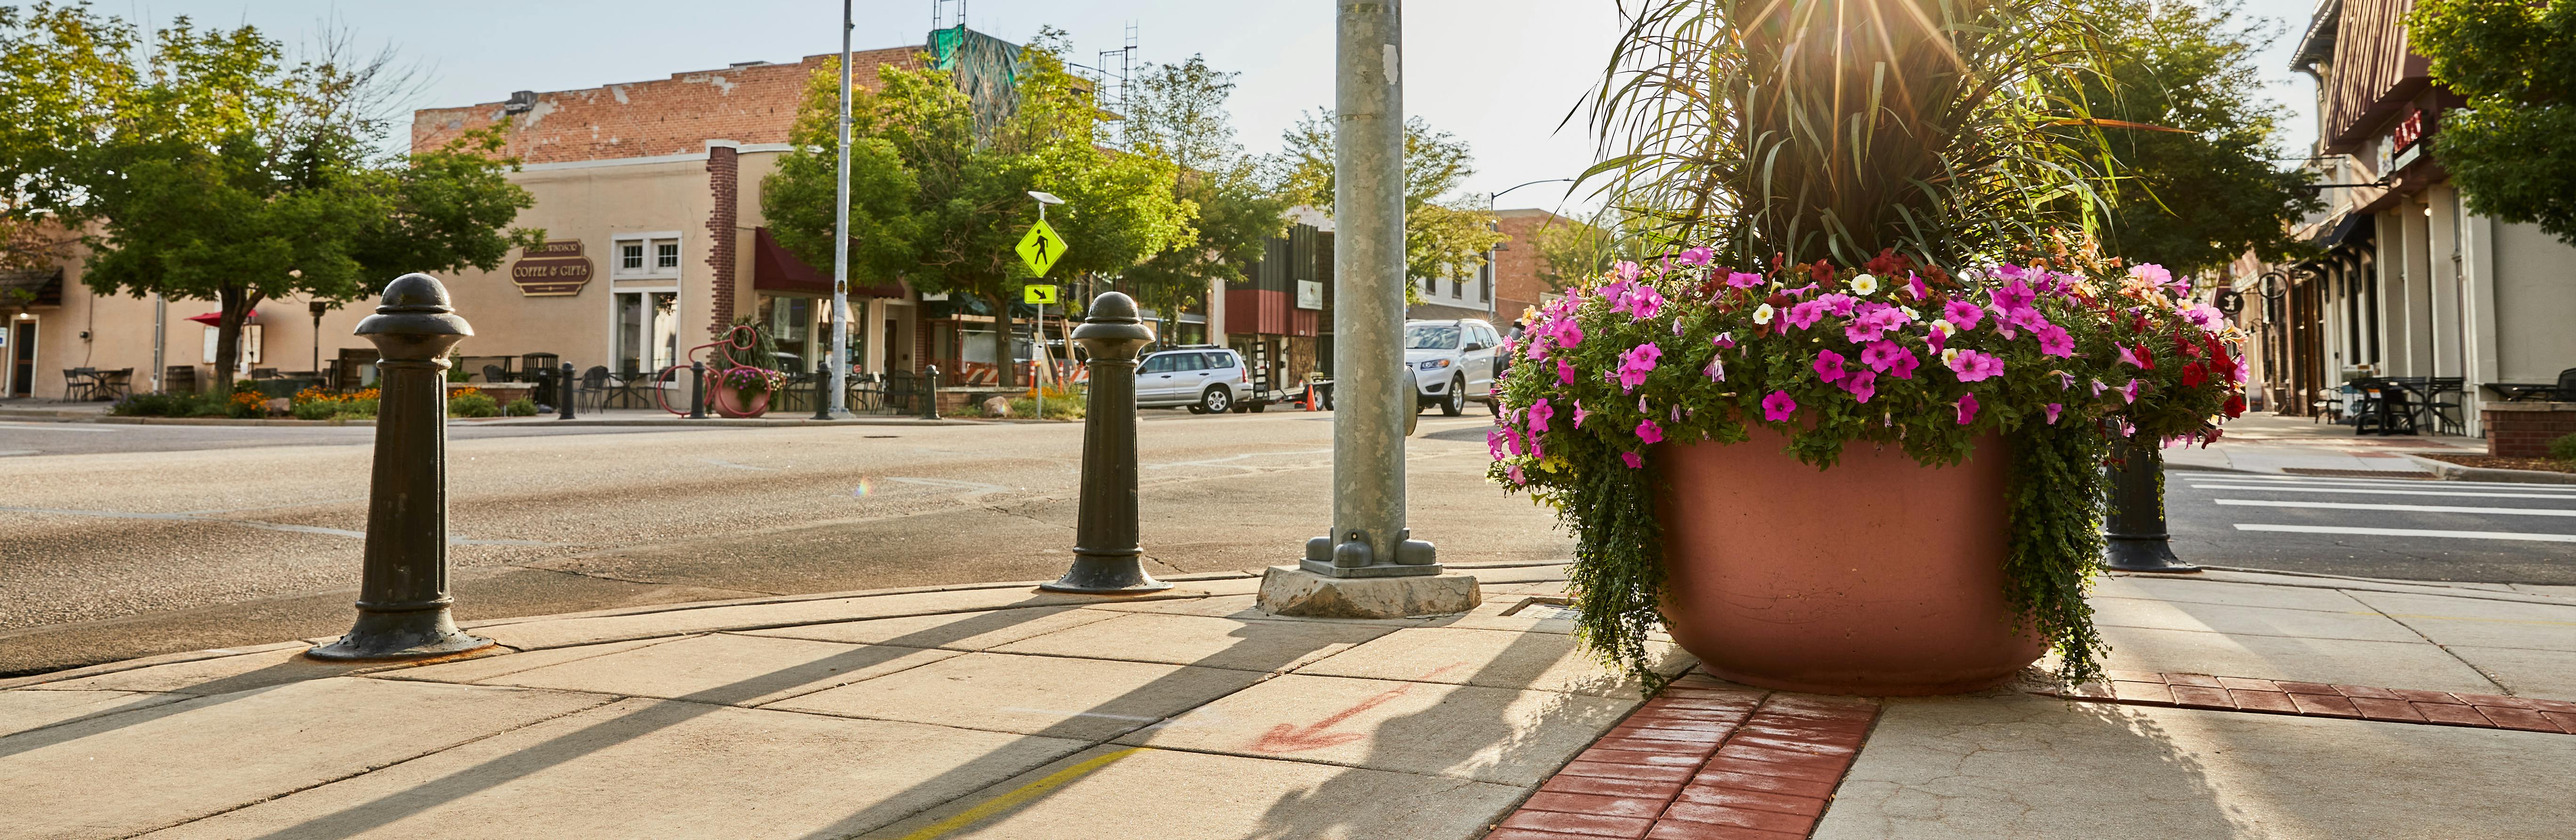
{"points": [[1571, 250], [221, 171], [937, 205], [2197, 197], [1444, 235], [2512, 151], [1177, 112]]}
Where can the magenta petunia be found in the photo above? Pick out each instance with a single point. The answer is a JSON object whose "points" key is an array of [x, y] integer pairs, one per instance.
{"points": [[1696, 256], [1973, 366], [2054, 341], [1716, 370], [1567, 332], [1967, 409], [1517, 477], [1564, 372], [2053, 410], [1914, 286], [1723, 341], [1963, 314], [2129, 393], [1635, 364], [1626, 270], [1539, 414], [1829, 365], [1742, 280], [1649, 432], [1537, 345], [1632, 460], [1494, 443], [1862, 384], [1579, 413], [1779, 406], [2015, 296]]}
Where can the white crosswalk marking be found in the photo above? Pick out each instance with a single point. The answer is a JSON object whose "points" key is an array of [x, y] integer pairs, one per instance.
{"points": [[2211, 478], [2410, 532], [2406, 508], [2379, 491]]}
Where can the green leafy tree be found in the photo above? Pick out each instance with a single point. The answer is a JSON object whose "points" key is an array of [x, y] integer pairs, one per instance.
{"points": [[2512, 151], [2199, 195], [1570, 250], [939, 206], [224, 173], [1177, 112], [1444, 237]]}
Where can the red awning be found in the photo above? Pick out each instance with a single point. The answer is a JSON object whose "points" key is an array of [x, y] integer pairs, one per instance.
{"points": [[774, 269], [216, 319]]}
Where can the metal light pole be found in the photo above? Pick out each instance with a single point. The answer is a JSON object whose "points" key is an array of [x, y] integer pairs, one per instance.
{"points": [[1107, 551], [403, 601], [840, 396], [1369, 538], [160, 342], [318, 308], [2135, 528]]}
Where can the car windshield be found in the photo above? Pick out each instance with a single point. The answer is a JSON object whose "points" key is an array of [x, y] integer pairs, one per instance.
{"points": [[1430, 337]]}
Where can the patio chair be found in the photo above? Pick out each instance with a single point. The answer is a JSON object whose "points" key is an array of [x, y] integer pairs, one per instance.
{"points": [[81, 381], [2391, 410], [493, 373], [2567, 385], [594, 387]]}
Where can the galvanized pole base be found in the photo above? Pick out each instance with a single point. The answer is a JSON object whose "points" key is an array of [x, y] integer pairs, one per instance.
{"points": [[822, 387], [1108, 552], [564, 392], [2135, 529]]}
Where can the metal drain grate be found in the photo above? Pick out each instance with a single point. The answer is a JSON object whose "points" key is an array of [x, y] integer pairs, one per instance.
{"points": [[2324, 473]]}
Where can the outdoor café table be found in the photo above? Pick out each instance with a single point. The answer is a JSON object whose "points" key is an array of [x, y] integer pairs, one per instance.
{"points": [[2524, 391], [112, 384]]}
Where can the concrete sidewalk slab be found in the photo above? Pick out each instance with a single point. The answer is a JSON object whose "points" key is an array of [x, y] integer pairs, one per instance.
{"points": [[2487, 623], [506, 663], [21, 711], [2019, 766], [2360, 624], [649, 768], [2207, 588], [1089, 699], [220, 675], [2394, 664], [1495, 659], [1203, 641], [132, 772], [1016, 624], [1170, 795], [726, 669], [1461, 731], [544, 633], [2524, 671]]}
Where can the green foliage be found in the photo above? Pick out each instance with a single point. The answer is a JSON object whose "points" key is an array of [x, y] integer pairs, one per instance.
{"points": [[1057, 406], [2563, 449], [477, 404], [521, 407], [2196, 197], [218, 170], [1942, 129], [1571, 251], [315, 409], [1177, 112], [1444, 237], [2512, 151]]}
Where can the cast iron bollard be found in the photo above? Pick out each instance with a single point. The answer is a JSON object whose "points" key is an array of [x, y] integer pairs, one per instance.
{"points": [[564, 392], [929, 392], [822, 383], [2135, 528], [1106, 547], [697, 390], [402, 596]]}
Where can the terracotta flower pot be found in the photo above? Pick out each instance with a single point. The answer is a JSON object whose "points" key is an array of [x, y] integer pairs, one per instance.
{"points": [[736, 402], [1879, 576]]}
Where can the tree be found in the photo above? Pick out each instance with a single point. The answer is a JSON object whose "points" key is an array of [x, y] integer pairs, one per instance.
{"points": [[1570, 250], [1442, 238], [224, 173], [2201, 195], [1178, 112], [935, 204], [2512, 151]]}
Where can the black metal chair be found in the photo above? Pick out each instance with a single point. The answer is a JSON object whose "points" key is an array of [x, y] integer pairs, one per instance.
{"points": [[493, 373], [626, 389], [2386, 410], [2444, 404], [593, 386], [79, 381], [2567, 385]]}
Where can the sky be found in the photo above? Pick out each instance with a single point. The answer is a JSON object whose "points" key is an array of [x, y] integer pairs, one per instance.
{"points": [[1499, 74]]}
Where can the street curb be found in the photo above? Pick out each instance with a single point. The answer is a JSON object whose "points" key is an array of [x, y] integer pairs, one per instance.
{"points": [[554, 423], [2448, 471]]}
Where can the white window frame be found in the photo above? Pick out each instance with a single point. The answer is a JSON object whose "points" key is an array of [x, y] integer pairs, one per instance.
{"points": [[617, 243]]}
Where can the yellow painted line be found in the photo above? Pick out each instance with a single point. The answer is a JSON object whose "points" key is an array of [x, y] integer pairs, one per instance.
{"points": [[1018, 795]]}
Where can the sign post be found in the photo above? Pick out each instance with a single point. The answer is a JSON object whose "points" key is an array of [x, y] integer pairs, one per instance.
{"points": [[1041, 295], [1040, 250]]}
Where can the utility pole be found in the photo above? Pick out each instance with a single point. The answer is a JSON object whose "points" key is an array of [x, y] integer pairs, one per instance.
{"points": [[840, 395]]}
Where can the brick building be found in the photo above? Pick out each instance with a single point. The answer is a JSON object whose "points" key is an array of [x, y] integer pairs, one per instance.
{"points": [[1517, 286]]}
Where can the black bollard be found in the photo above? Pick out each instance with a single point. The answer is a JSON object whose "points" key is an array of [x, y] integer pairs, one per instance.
{"points": [[822, 387], [697, 390], [564, 392], [2135, 528], [1107, 547], [930, 392], [402, 592]]}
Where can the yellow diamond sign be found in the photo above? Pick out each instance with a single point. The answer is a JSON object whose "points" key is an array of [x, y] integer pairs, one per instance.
{"points": [[1037, 293], [1041, 248]]}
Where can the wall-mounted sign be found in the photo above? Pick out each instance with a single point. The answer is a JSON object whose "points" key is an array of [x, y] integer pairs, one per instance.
{"points": [[2409, 129], [1310, 294], [554, 269]]}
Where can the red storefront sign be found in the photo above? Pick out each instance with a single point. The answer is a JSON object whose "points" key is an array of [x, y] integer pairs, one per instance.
{"points": [[2410, 129], [554, 269]]}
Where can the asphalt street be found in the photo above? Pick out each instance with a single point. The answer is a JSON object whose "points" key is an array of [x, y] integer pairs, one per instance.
{"points": [[152, 539], [2364, 527]]}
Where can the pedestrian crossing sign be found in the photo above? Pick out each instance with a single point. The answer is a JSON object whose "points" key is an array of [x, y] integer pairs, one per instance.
{"points": [[1041, 248], [1038, 294]]}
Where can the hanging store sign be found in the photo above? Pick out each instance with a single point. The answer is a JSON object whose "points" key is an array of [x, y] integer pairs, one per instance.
{"points": [[2409, 129], [554, 269], [1310, 294]]}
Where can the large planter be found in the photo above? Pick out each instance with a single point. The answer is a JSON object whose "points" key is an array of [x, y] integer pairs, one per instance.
{"points": [[1879, 576], [736, 402]]}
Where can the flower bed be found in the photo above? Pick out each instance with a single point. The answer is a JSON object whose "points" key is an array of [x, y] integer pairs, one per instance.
{"points": [[2059, 356]]}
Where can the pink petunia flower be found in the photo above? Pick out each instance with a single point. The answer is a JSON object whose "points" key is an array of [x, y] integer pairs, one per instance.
{"points": [[1742, 280], [1579, 413], [1632, 460], [1829, 366], [1967, 409], [2053, 410], [1973, 366], [1649, 432], [1880, 355], [1635, 364], [1716, 369], [1962, 314], [1723, 341], [1862, 384], [1914, 286], [1518, 478], [2054, 341], [1537, 345], [2014, 296], [1494, 443], [1564, 372], [2129, 392], [1696, 256], [1779, 406], [1626, 270], [1841, 304], [1539, 414]]}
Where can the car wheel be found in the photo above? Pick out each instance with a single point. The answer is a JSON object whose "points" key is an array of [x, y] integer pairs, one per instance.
{"points": [[1215, 401], [1456, 402]]}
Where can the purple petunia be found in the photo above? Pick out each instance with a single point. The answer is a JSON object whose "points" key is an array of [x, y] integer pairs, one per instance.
{"points": [[1635, 364], [1829, 365], [1967, 409], [1861, 384], [2053, 410], [1649, 432], [1632, 460]]}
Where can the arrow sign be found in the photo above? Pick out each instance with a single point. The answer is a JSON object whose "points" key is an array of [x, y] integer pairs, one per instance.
{"points": [[1041, 248], [1037, 294]]}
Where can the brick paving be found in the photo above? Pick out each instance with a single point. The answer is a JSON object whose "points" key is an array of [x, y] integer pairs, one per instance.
{"points": [[1703, 760], [2285, 697]]}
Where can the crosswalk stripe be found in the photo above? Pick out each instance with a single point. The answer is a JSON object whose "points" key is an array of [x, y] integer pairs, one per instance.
{"points": [[2376, 491], [2364, 482], [2410, 532], [2407, 508]]}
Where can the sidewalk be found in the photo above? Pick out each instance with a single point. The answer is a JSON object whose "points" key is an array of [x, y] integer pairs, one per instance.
{"points": [[2267, 443], [2258, 705]]}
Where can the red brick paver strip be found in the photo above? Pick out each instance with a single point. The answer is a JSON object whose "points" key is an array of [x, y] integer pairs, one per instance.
{"points": [[1751, 765], [2308, 699]]}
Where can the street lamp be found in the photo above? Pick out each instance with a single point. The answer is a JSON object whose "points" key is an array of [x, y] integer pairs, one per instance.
{"points": [[840, 396]]}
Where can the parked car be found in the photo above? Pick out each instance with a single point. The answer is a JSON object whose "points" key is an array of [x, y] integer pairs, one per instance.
{"points": [[1453, 363], [1206, 379]]}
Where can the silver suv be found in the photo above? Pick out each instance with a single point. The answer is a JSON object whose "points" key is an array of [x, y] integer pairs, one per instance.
{"points": [[1209, 380], [1453, 363]]}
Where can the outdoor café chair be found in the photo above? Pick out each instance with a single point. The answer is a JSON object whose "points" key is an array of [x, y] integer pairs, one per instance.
{"points": [[80, 381]]}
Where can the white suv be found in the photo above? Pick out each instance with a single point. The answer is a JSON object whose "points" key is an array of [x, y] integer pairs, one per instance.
{"points": [[1453, 363], [1209, 380]]}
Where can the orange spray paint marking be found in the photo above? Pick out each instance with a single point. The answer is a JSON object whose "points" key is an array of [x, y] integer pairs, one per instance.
{"points": [[1288, 738]]}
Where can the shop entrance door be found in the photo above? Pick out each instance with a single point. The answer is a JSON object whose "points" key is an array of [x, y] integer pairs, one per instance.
{"points": [[22, 359]]}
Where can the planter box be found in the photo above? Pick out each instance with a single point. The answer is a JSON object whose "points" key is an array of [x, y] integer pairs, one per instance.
{"points": [[501, 392], [2524, 429], [1879, 576]]}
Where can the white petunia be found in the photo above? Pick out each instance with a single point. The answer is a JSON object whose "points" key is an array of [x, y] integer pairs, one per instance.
{"points": [[1864, 285], [1762, 314]]}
